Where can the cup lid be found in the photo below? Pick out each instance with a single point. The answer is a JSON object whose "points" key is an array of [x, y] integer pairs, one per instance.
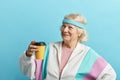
{"points": [[40, 44]]}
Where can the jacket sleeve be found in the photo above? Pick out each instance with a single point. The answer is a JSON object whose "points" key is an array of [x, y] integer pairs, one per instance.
{"points": [[27, 65], [107, 74]]}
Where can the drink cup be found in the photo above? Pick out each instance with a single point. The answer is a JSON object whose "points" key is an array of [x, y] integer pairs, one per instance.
{"points": [[41, 50]]}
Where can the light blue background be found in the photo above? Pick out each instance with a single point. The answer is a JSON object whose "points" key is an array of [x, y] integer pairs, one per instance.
{"points": [[24, 20]]}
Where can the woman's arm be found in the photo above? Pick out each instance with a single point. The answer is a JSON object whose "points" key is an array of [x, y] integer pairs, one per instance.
{"points": [[107, 74], [27, 65]]}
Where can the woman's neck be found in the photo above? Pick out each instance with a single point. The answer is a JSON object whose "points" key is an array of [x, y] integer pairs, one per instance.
{"points": [[70, 45]]}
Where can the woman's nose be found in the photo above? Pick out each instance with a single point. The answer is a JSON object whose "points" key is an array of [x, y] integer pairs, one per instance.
{"points": [[65, 29]]}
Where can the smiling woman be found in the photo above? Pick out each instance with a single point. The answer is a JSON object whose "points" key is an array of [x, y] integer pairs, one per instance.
{"points": [[68, 59]]}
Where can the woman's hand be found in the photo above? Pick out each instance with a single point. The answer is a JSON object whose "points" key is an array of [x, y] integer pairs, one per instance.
{"points": [[31, 48]]}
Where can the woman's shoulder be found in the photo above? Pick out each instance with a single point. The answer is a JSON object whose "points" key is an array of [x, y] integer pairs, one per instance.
{"points": [[83, 46], [89, 50], [88, 47]]}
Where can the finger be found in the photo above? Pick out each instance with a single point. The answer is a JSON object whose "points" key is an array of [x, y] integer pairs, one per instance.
{"points": [[33, 47], [33, 42], [33, 50]]}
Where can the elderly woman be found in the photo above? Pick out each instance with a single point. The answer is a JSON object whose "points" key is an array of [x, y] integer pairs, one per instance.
{"points": [[68, 59]]}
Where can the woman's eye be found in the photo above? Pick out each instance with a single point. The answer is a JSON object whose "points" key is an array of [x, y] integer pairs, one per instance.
{"points": [[70, 27], [63, 26]]}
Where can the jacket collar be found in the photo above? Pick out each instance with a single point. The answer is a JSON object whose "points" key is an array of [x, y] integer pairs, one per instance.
{"points": [[78, 50]]}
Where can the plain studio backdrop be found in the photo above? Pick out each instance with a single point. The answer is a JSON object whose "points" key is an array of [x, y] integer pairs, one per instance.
{"points": [[24, 20]]}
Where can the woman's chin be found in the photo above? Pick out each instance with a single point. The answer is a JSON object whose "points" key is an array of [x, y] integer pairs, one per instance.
{"points": [[66, 40]]}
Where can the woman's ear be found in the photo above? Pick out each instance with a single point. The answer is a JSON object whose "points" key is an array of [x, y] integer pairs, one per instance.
{"points": [[79, 34], [80, 31]]}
